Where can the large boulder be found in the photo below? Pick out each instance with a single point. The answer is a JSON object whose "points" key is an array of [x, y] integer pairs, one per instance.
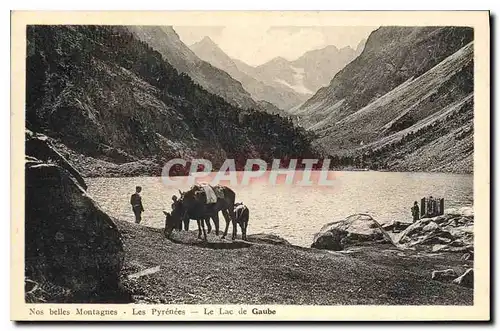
{"points": [[70, 243], [354, 230]]}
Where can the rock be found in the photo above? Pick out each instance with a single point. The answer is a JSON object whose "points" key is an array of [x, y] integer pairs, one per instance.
{"points": [[438, 236], [462, 211], [330, 240], [444, 275], [70, 241], [467, 279], [432, 226], [354, 230], [412, 229], [443, 233], [439, 219], [388, 225], [468, 256], [464, 220], [395, 226], [268, 239], [450, 248], [400, 226], [438, 247], [38, 148]]}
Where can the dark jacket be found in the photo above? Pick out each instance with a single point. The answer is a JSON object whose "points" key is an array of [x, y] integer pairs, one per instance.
{"points": [[136, 201]]}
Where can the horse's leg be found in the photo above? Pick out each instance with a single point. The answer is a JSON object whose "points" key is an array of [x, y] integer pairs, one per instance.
{"points": [[233, 217], [186, 224], [215, 217], [209, 226], [244, 230], [245, 223], [231, 211], [235, 230], [199, 228], [203, 227], [227, 218]]}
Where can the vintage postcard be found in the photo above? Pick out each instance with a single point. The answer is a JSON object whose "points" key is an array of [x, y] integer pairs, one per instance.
{"points": [[240, 165]]}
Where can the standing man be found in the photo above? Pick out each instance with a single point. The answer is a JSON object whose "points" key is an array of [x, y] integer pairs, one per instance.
{"points": [[136, 202], [415, 211]]}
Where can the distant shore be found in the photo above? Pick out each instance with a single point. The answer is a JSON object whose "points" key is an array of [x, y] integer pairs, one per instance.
{"points": [[91, 167], [117, 173]]}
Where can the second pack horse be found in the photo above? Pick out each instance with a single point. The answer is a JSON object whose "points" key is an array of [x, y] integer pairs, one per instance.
{"points": [[201, 203]]}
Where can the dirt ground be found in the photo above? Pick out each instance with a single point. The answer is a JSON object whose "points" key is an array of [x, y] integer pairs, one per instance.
{"points": [[225, 272]]}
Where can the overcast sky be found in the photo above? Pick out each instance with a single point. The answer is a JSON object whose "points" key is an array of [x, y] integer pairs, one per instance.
{"points": [[258, 44]]}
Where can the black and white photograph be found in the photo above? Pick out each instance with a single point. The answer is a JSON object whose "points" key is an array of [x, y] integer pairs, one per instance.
{"points": [[255, 164]]}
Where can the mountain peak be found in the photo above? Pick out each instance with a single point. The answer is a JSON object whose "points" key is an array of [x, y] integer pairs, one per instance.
{"points": [[205, 42], [279, 59], [169, 29], [207, 39], [332, 47]]}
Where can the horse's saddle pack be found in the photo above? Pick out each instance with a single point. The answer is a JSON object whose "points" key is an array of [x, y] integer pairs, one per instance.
{"points": [[212, 193]]}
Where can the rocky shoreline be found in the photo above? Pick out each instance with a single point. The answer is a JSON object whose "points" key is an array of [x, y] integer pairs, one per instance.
{"points": [[75, 252], [103, 166], [452, 232]]}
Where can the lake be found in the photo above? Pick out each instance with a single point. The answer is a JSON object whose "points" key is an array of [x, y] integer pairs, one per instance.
{"points": [[297, 212]]}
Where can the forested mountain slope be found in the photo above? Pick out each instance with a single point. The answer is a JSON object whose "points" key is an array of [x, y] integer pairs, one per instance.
{"points": [[110, 100]]}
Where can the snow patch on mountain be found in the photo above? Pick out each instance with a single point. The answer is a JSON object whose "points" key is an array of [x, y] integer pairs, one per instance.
{"points": [[298, 81]]}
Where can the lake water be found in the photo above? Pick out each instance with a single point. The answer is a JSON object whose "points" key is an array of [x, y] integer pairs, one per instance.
{"points": [[296, 212]]}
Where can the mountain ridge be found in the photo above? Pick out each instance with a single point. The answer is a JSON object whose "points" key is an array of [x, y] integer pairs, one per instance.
{"points": [[279, 95], [309, 72], [167, 42], [383, 109], [293, 81]]}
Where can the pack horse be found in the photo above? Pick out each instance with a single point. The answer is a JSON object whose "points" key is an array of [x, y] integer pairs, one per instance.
{"points": [[200, 203]]}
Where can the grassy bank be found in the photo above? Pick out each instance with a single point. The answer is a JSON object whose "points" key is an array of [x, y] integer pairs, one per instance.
{"points": [[192, 272]]}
